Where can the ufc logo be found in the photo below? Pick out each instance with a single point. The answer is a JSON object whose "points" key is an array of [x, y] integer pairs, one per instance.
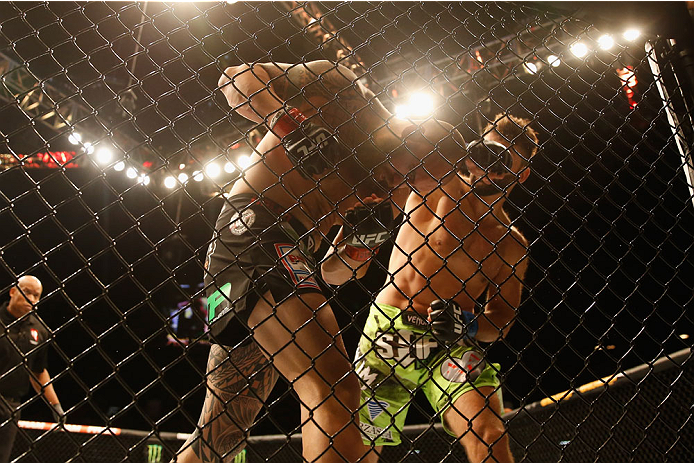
{"points": [[458, 319], [375, 238]]}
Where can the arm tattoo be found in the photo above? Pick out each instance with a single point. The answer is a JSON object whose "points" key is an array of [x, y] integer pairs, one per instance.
{"points": [[238, 383]]}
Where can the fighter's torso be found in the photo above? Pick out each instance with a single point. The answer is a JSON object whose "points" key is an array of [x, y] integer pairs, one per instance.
{"points": [[443, 252]]}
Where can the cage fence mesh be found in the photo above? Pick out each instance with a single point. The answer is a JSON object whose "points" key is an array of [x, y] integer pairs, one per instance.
{"points": [[118, 147]]}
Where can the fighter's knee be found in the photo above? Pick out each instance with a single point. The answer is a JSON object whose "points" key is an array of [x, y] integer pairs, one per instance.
{"points": [[315, 390]]}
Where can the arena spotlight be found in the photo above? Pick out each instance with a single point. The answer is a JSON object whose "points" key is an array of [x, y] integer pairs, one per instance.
{"points": [[631, 34], [553, 61], [88, 148], [131, 172], [605, 42], [169, 182], [229, 167], [74, 138], [183, 177], [579, 49], [144, 179], [104, 155], [213, 170], [419, 106], [244, 161], [530, 68], [198, 176], [120, 165]]}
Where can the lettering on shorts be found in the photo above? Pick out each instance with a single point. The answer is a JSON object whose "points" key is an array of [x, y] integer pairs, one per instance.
{"points": [[218, 300], [414, 319], [239, 224], [456, 370], [299, 270], [374, 432], [404, 346], [367, 377]]}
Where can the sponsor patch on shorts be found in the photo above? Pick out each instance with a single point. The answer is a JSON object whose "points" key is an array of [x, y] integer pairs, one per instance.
{"points": [[376, 407], [299, 270], [241, 223], [374, 432], [456, 370]]}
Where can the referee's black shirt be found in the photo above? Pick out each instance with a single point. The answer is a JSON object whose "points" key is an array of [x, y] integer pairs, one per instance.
{"points": [[20, 340]]}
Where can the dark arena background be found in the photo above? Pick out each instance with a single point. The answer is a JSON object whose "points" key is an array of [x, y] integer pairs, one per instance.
{"points": [[117, 147]]}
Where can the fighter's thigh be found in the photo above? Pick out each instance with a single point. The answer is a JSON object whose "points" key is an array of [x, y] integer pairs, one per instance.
{"points": [[481, 406], [299, 335]]}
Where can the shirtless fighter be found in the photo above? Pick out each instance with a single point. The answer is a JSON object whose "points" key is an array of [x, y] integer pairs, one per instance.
{"points": [[455, 247], [330, 145]]}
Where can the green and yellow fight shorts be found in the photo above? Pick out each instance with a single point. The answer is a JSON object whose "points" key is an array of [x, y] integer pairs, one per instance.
{"points": [[396, 358]]}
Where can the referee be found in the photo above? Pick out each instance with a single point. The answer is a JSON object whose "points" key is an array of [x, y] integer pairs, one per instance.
{"points": [[23, 361]]}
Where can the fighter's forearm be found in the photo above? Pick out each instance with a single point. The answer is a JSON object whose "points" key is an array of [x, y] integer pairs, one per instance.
{"points": [[42, 385], [339, 268], [494, 325]]}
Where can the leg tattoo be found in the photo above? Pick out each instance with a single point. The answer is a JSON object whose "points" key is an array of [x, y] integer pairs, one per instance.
{"points": [[238, 383]]}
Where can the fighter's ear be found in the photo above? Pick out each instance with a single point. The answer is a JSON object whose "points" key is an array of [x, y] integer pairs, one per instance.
{"points": [[523, 176]]}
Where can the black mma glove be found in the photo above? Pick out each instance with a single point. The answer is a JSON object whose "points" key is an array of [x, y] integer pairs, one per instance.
{"points": [[311, 148], [490, 156], [450, 323], [366, 227]]}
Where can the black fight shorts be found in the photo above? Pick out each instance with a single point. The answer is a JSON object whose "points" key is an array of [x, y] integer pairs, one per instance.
{"points": [[257, 248]]}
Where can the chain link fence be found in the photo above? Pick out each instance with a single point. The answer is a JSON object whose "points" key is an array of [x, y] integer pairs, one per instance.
{"points": [[118, 152]]}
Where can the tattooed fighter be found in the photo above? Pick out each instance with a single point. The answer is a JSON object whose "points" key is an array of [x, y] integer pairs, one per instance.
{"points": [[456, 247], [331, 149]]}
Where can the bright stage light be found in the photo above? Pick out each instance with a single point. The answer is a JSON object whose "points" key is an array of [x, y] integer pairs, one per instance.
{"points": [[402, 111], [421, 104], [213, 170], [198, 176], [183, 177], [169, 182], [530, 68], [104, 155], [229, 167], [88, 148], [631, 34], [120, 165], [606, 42], [553, 61], [74, 138], [131, 172], [244, 161], [144, 179], [579, 49]]}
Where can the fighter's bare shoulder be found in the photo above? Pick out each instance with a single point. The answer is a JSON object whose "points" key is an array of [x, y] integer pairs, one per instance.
{"points": [[513, 246]]}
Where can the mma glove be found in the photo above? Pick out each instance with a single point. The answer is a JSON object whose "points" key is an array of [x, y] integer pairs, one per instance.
{"points": [[366, 228], [451, 324], [311, 148]]}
